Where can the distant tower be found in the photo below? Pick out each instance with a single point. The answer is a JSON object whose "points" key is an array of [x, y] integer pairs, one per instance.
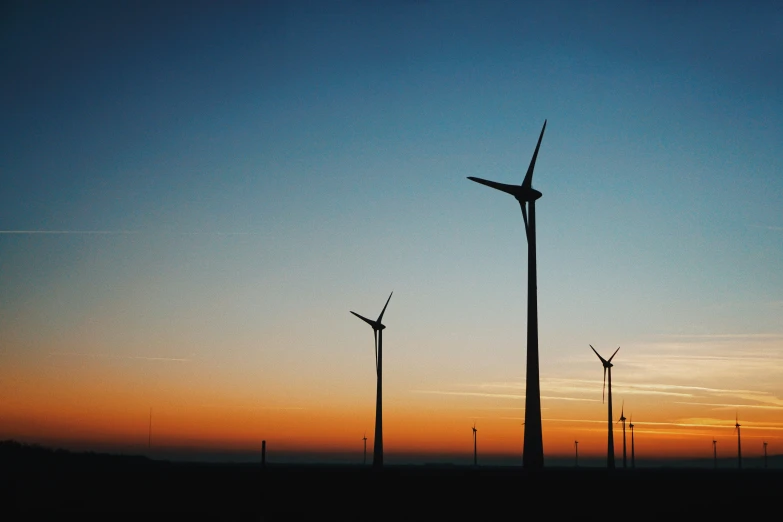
{"points": [[576, 451], [633, 448], [622, 419], [149, 434], [765, 455], [365, 448], [263, 453], [475, 455], [739, 444], [715, 453]]}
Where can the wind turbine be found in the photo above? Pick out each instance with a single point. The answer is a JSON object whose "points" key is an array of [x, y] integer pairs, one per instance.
{"points": [[377, 328], [365, 448], [576, 451], [526, 195], [475, 457], [610, 445], [765, 455], [622, 419], [739, 445], [633, 452], [715, 453]]}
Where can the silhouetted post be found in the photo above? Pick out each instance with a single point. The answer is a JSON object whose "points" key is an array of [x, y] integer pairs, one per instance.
{"points": [[263, 453], [533, 449], [633, 452], [377, 456], [739, 445], [475, 454], [715, 453], [610, 442], [576, 450]]}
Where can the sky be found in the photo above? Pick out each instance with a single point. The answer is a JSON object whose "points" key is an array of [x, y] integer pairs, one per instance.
{"points": [[196, 194]]}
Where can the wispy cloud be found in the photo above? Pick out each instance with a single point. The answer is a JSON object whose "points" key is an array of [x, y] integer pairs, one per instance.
{"points": [[110, 356], [500, 395], [121, 232], [734, 406]]}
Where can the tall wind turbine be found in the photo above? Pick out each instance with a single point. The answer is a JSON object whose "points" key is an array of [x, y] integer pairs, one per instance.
{"points": [[622, 419], [576, 453], [475, 455], [633, 452], [610, 445], [377, 328], [526, 195], [715, 453], [365, 448], [739, 445]]}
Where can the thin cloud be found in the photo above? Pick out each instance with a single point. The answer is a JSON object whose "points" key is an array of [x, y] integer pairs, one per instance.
{"points": [[734, 406], [499, 395], [109, 356], [121, 232]]}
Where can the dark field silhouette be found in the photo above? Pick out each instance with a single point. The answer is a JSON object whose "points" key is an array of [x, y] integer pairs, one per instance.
{"points": [[37, 479]]}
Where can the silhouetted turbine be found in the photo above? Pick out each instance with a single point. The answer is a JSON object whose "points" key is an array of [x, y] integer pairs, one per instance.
{"points": [[525, 194], [610, 445], [377, 328], [576, 452], [765, 455], [633, 448], [475, 454], [365, 448], [739, 445], [715, 453], [622, 419]]}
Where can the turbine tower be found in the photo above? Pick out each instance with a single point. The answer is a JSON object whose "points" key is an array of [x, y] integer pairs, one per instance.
{"points": [[622, 419], [633, 448], [715, 453], [739, 445], [765, 455], [475, 455], [377, 328], [610, 444], [365, 448], [149, 433], [526, 195], [576, 453]]}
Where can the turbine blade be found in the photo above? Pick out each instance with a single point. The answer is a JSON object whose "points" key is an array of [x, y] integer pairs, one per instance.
{"points": [[380, 317], [527, 183], [368, 321], [602, 359], [503, 187], [524, 216], [615, 353], [603, 391]]}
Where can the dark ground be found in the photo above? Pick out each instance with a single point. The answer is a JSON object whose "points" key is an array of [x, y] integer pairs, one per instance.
{"points": [[88, 483]]}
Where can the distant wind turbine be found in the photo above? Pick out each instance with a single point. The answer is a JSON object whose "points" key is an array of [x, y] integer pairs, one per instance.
{"points": [[377, 328], [576, 453], [365, 448], [622, 419], [610, 444], [526, 195], [633, 447], [739, 444], [765, 455], [715, 453], [475, 454]]}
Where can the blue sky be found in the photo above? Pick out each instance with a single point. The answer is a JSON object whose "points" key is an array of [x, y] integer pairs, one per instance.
{"points": [[263, 168]]}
